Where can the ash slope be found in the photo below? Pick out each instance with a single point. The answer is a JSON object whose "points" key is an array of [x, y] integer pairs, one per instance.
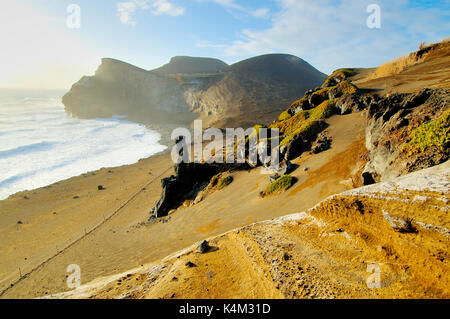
{"points": [[325, 252]]}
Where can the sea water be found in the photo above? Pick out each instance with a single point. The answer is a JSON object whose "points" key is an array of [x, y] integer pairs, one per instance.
{"points": [[40, 144]]}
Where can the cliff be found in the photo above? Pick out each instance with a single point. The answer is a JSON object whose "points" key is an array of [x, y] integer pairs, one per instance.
{"points": [[187, 88]]}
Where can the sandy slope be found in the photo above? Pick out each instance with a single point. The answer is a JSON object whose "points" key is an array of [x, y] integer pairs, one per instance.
{"points": [[322, 253], [124, 242]]}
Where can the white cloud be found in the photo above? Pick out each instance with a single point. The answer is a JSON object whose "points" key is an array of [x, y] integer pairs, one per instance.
{"points": [[126, 10], [332, 34], [232, 6], [261, 13], [166, 7]]}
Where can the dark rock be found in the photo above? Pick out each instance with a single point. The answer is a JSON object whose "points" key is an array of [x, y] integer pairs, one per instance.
{"points": [[100, 187], [322, 144], [390, 121], [368, 178], [283, 168], [350, 103], [273, 178], [20, 222], [315, 100], [417, 99], [177, 187], [204, 247], [189, 264], [333, 81], [301, 142]]}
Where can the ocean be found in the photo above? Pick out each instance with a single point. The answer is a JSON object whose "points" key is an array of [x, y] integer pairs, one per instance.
{"points": [[40, 144]]}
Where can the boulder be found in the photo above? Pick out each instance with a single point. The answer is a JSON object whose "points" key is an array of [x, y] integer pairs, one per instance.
{"points": [[323, 143], [315, 100], [350, 103], [204, 247], [185, 183]]}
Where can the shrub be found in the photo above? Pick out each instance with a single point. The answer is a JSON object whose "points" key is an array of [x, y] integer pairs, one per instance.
{"points": [[300, 103], [306, 123], [346, 87], [284, 116], [215, 179], [342, 74], [224, 182], [432, 134], [280, 185]]}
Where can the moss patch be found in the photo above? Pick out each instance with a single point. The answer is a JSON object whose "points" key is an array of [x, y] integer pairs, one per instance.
{"points": [[305, 123], [340, 73], [345, 87], [280, 185], [428, 135], [224, 182], [284, 116]]}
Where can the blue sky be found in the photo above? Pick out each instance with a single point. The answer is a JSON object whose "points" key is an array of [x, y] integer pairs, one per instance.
{"points": [[40, 51]]}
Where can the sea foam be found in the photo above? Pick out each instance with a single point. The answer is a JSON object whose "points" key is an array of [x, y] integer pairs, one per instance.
{"points": [[40, 144]]}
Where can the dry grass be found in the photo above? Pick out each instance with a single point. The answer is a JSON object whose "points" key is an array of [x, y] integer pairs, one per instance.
{"points": [[402, 63], [394, 67]]}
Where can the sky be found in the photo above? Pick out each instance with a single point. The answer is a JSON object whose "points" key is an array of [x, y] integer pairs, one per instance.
{"points": [[44, 46]]}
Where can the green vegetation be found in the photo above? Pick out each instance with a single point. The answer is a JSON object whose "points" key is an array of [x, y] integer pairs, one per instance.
{"points": [[340, 73], [323, 93], [215, 179], [305, 123], [432, 134], [280, 185], [346, 87], [220, 182], [224, 182], [284, 116], [301, 102]]}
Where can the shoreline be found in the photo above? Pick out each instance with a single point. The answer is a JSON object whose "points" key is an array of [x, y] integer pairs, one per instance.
{"points": [[163, 140]]}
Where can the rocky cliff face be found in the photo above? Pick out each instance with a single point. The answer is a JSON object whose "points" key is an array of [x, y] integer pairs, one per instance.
{"points": [[120, 88], [407, 132], [190, 87]]}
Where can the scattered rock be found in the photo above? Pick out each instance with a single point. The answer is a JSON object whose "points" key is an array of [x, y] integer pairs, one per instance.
{"points": [[323, 143], [189, 264], [100, 187], [204, 247], [20, 222], [76, 197]]}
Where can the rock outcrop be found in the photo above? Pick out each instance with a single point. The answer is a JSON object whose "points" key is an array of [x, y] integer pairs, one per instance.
{"points": [[407, 132], [184, 184]]}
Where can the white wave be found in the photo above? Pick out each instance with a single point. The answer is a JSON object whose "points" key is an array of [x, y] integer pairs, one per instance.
{"points": [[40, 144]]}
